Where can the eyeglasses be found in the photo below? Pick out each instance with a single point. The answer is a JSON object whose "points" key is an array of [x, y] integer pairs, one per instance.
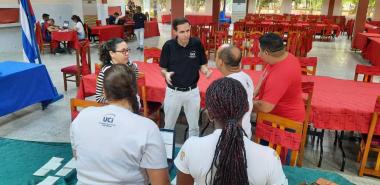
{"points": [[124, 51]]}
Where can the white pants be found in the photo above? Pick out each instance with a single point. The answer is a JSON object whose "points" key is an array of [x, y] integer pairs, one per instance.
{"points": [[190, 100], [140, 37]]}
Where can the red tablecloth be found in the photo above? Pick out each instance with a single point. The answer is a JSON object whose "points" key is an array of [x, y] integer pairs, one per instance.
{"points": [[60, 36], [199, 19], [166, 18], [372, 28], [151, 29], [108, 32], [372, 50], [336, 104], [361, 40]]}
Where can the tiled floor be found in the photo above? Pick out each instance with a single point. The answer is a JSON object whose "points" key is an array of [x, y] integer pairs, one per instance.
{"points": [[334, 59]]}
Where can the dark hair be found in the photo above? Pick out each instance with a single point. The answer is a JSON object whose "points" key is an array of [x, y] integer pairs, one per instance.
{"points": [[229, 57], [271, 42], [138, 9], [120, 83], [116, 13], [104, 50], [45, 15], [76, 18], [226, 101], [179, 21]]}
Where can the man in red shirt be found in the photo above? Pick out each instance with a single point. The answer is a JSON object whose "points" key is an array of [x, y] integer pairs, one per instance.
{"points": [[279, 89]]}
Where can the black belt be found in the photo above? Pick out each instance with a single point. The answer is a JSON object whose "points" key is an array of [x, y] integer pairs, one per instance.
{"points": [[183, 89]]}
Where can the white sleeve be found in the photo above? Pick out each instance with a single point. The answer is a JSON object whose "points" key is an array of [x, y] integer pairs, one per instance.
{"points": [[277, 176], [154, 154], [182, 159], [73, 133]]}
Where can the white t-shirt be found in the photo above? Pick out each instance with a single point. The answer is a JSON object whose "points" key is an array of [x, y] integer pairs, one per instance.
{"points": [[247, 83], [80, 30], [263, 163], [114, 146]]}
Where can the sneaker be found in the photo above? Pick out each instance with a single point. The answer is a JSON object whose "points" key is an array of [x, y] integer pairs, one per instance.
{"points": [[141, 49], [138, 48]]}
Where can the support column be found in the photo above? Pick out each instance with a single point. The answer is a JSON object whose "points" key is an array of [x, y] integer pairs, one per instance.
{"points": [[286, 7], [361, 15], [376, 15], [331, 8], [252, 6], [337, 8], [177, 9], [102, 7], [215, 11], [325, 7]]}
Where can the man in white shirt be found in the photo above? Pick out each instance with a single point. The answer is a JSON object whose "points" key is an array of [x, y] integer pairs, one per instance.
{"points": [[228, 59]]}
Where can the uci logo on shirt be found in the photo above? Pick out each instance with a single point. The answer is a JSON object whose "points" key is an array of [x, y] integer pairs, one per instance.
{"points": [[107, 120], [192, 54]]}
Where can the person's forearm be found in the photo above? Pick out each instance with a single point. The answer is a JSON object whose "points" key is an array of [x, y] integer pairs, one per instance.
{"points": [[163, 72], [260, 106]]}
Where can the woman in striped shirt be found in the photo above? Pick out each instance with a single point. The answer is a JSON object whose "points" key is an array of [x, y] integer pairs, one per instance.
{"points": [[114, 51]]}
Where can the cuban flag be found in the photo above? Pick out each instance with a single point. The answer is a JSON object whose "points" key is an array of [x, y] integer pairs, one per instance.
{"points": [[29, 42]]}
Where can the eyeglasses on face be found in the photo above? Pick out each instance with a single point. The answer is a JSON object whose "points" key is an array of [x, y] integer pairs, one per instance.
{"points": [[124, 51]]}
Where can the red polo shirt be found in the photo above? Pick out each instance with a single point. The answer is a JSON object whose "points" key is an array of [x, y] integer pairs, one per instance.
{"points": [[281, 86]]}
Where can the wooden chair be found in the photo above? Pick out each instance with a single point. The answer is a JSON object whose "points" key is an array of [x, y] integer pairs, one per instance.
{"points": [[154, 53], [254, 38], [371, 143], [292, 42], [308, 65], [307, 89], [281, 134], [77, 70], [147, 108], [367, 71], [76, 103], [40, 41], [327, 33]]}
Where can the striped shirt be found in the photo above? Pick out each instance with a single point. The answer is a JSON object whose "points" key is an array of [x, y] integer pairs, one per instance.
{"points": [[99, 96]]}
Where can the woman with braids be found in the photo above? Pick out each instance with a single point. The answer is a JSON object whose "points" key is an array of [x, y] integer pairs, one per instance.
{"points": [[113, 144], [227, 156], [114, 51]]}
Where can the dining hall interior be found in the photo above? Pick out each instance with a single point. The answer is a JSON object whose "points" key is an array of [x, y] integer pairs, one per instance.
{"points": [[337, 44]]}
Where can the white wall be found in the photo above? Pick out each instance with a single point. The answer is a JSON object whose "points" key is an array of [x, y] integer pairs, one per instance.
{"points": [[89, 8]]}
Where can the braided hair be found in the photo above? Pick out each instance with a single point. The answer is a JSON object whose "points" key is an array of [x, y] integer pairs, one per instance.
{"points": [[120, 83], [226, 101]]}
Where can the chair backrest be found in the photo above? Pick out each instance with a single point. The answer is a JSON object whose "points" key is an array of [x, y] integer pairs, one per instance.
{"points": [[292, 43], [153, 52], [367, 71], [307, 90], [39, 36], [253, 63], [282, 134], [141, 90], [255, 39], [308, 65], [76, 103]]}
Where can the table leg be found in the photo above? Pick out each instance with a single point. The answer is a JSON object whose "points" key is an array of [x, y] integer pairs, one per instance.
{"points": [[341, 148]]}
